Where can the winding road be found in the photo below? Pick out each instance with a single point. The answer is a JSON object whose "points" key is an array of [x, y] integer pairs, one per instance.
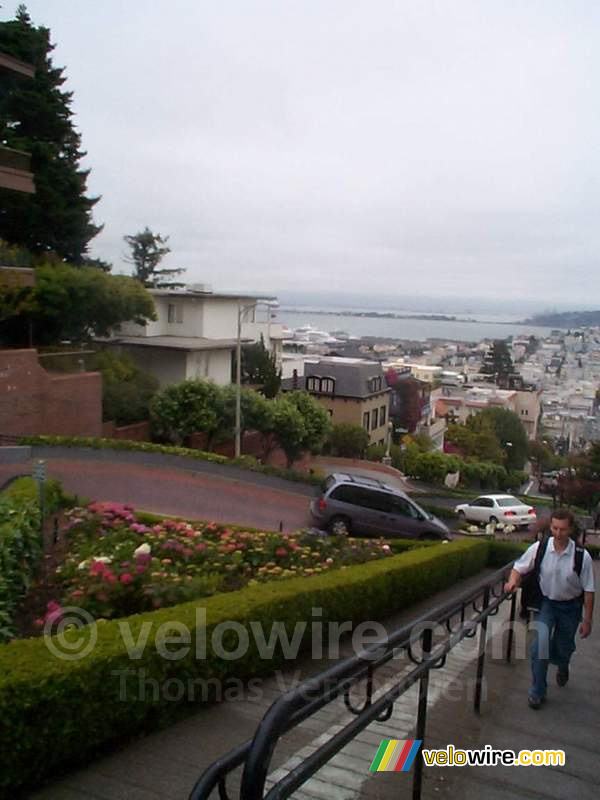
{"points": [[187, 492]]}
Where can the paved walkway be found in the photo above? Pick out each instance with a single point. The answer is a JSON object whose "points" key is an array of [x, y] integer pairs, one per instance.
{"points": [[166, 764]]}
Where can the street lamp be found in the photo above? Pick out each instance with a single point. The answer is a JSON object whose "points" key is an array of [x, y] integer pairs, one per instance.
{"points": [[241, 311], [387, 459]]}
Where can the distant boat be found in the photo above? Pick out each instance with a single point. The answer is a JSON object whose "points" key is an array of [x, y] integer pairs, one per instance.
{"points": [[311, 335]]}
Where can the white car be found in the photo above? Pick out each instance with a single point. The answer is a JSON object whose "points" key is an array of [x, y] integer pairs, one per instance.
{"points": [[502, 508]]}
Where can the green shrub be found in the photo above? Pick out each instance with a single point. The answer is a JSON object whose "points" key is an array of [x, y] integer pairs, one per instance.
{"points": [[57, 713], [375, 452], [429, 467], [348, 440], [26, 490], [484, 475], [438, 511], [20, 551]]}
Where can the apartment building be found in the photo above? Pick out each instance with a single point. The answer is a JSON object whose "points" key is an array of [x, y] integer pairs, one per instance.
{"points": [[352, 390], [195, 333]]}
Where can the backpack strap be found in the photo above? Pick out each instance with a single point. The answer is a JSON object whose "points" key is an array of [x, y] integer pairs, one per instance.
{"points": [[578, 560], [541, 552]]}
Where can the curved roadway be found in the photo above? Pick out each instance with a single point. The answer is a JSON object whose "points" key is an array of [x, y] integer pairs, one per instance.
{"points": [[243, 498]]}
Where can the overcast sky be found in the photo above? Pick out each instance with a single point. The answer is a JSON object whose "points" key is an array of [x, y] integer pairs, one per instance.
{"points": [[443, 148]]}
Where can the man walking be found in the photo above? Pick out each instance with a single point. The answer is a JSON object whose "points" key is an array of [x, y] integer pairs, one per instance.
{"points": [[565, 594]]}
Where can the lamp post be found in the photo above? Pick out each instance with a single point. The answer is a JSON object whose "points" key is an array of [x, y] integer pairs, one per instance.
{"points": [[387, 459], [238, 377]]}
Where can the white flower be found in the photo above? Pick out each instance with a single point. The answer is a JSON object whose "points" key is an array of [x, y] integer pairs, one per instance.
{"points": [[103, 559], [142, 550], [83, 564], [473, 529]]}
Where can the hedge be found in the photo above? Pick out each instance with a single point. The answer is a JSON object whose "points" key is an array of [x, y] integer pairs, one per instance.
{"points": [[21, 542], [58, 713], [314, 478]]}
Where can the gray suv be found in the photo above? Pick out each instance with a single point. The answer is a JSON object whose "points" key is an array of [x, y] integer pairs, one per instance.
{"points": [[361, 505]]}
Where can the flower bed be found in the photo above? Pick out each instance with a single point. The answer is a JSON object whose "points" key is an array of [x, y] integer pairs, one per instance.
{"points": [[117, 565]]}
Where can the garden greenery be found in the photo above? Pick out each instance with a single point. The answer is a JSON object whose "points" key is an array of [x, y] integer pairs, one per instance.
{"points": [[57, 713]]}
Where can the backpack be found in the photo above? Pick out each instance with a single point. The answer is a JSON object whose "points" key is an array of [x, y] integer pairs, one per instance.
{"points": [[531, 593]]}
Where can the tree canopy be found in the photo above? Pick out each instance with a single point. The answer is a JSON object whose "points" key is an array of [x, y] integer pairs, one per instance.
{"points": [[71, 303], [498, 364], [506, 425], [126, 390], [147, 251], [259, 368], [36, 116], [293, 421]]}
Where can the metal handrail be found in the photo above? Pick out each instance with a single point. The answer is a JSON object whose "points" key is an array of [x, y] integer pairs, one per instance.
{"points": [[307, 698]]}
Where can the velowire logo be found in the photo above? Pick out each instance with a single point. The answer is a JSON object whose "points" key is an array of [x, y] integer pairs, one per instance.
{"points": [[395, 755]]}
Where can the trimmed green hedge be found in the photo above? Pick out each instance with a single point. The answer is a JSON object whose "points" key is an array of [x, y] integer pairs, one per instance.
{"points": [[25, 490], [503, 552], [244, 462], [57, 713]]}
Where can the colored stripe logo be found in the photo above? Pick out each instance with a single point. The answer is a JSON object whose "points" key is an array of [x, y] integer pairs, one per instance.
{"points": [[395, 755]]}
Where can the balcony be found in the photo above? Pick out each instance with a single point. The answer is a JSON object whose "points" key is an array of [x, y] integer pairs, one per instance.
{"points": [[15, 171]]}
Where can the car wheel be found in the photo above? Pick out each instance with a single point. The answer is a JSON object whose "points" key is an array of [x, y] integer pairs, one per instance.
{"points": [[430, 537], [494, 520], [462, 516], [340, 526]]}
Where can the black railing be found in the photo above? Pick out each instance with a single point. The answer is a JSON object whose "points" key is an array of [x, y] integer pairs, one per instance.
{"points": [[296, 705]]}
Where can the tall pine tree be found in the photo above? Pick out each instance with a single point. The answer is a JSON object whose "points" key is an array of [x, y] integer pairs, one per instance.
{"points": [[36, 116]]}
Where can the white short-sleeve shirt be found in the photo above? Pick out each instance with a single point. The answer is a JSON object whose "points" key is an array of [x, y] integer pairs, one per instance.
{"points": [[558, 579]]}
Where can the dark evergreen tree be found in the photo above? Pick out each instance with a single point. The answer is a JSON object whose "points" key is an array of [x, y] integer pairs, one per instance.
{"points": [[147, 251], [499, 366], [259, 368], [36, 116]]}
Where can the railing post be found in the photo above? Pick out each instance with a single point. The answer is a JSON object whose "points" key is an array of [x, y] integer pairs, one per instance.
{"points": [[482, 649], [513, 611], [426, 640]]}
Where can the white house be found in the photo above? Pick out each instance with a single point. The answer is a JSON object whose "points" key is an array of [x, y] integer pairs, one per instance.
{"points": [[195, 333]]}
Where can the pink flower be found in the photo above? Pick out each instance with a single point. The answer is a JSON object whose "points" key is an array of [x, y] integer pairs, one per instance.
{"points": [[140, 569], [126, 577], [77, 593], [102, 597], [200, 547], [281, 552]]}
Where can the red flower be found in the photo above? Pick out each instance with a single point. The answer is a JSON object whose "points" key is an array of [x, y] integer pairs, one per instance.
{"points": [[126, 577]]}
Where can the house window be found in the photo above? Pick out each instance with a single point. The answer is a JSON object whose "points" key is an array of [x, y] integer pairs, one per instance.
{"points": [[366, 420], [374, 419], [174, 313], [328, 385], [313, 384], [382, 413]]}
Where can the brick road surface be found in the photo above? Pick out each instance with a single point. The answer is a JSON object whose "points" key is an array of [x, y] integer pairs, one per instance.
{"points": [[179, 492]]}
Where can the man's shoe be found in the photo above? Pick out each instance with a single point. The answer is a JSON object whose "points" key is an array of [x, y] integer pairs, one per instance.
{"points": [[562, 676], [534, 702]]}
